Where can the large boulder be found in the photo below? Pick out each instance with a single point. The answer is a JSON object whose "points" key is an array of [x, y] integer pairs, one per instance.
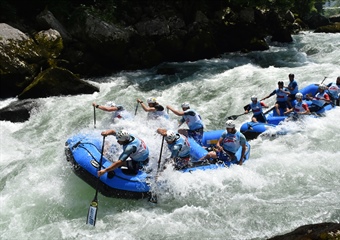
{"points": [[56, 82], [18, 57], [107, 42], [22, 57], [18, 111], [46, 20], [334, 18], [332, 28], [316, 20]]}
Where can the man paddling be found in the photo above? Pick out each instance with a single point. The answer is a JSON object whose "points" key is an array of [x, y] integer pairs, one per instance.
{"points": [[153, 108], [320, 99], [256, 108], [281, 97], [192, 119], [228, 144], [118, 111], [333, 90], [300, 108], [293, 89], [133, 148], [179, 147]]}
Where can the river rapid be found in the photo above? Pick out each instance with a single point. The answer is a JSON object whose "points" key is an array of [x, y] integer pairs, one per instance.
{"points": [[290, 180]]}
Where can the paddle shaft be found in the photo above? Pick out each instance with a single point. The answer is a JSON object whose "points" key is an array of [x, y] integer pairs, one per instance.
{"points": [[269, 110], [153, 197], [323, 80], [93, 209], [136, 108], [233, 117], [94, 116], [160, 156]]}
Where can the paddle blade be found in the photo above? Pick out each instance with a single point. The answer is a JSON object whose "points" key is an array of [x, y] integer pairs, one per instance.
{"points": [[233, 117], [92, 213], [153, 198], [246, 107]]}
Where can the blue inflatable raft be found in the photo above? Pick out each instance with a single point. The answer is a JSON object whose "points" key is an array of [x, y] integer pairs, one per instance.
{"points": [[84, 152], [252, 130]]}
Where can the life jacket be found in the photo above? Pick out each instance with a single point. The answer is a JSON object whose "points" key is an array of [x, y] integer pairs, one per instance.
{"points": [[180, 147], [231, 141], [256, 108], [281, 96], [300, 107], [334, 89], [160, 112], [319, 99], [142, 151], [192, 119], [295, 90]]}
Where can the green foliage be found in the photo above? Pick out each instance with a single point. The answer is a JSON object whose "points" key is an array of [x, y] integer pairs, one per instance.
{"points": [[332, 8]]}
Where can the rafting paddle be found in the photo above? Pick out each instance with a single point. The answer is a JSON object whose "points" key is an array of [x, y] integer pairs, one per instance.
{"points": [[93, 209], [94, 116], [153, 197], [233, 117], [136, 108]]}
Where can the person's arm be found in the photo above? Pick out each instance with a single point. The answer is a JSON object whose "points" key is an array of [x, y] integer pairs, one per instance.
{"points": [[162, 131], [145, 107], [105, 108], [326, 98], [271, 94], [109, 132], [242, 154], [264, 105], [305, 106], [177, 112], [112, 167], [181, 121], [244, 147], [285, 91], [289, 111], [218, 144], [247, 109], [309, 96], [292, 86]]}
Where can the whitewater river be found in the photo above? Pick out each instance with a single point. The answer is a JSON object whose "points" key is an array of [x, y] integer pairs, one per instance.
{"points": [[289, 181]]}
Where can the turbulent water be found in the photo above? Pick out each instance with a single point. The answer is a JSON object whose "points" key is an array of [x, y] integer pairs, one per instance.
{"points": [[289, 181]]}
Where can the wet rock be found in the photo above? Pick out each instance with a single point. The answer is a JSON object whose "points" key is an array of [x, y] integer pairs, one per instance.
{"points": [[18, 111], [320, 231], [332, 28], [56, 82]]}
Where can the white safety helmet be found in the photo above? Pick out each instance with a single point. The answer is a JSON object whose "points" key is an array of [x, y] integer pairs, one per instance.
{"points": [[253, 98], [151, 100], [230, 124], [185, 105], [299, 95], [122, 136], [111, 104], [170, 136]]}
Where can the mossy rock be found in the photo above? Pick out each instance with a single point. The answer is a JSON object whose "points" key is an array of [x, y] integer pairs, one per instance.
{"points": [[50, 43], [56, 82], [333, 28]]}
